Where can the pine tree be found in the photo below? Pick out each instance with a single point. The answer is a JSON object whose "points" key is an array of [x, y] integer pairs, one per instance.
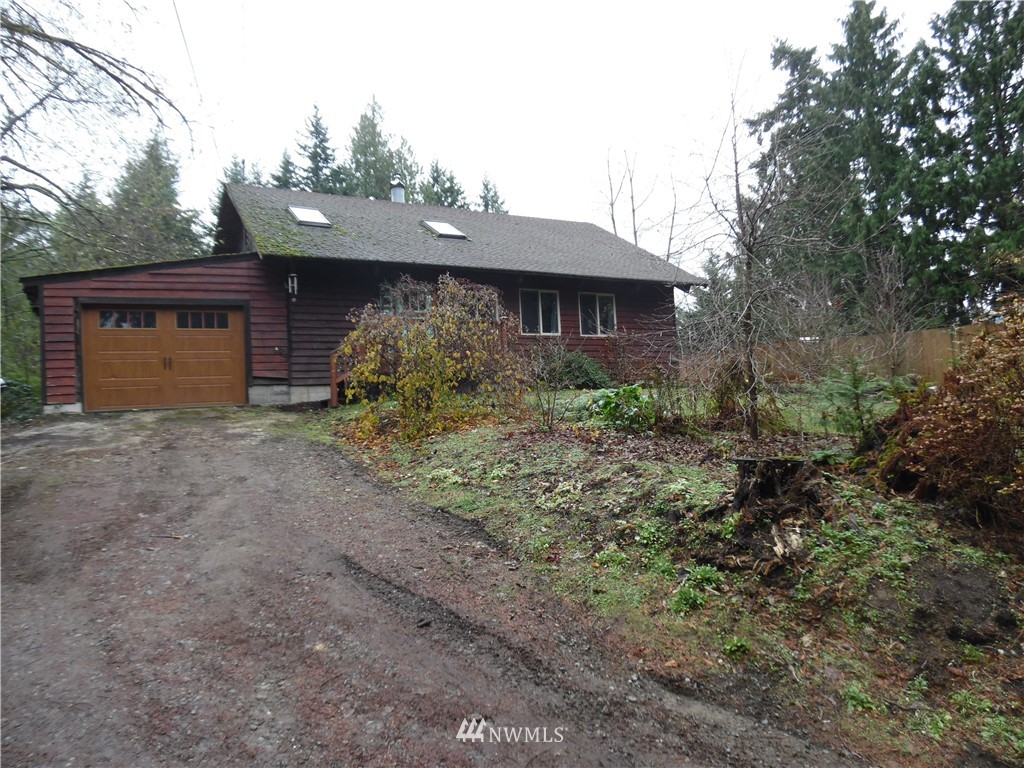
{"points": [[442, 189], [490, 200], [82, 235], [968, 140], [238, 171], [834, 147], [865, 97], [146, 221], [321, 172], [287, 174], [374, 163]]}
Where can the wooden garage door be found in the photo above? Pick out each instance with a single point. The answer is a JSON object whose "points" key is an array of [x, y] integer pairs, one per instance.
{"points": [[162, 357]]}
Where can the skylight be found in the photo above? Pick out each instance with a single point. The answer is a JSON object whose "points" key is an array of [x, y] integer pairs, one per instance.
{"points": [[444, 229], [309, 217]]}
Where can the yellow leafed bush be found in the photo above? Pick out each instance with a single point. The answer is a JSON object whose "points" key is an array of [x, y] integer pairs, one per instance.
{"points": [[441, 355]]}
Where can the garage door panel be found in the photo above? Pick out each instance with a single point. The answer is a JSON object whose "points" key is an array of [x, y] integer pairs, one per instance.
{"points": [[125, 394], [127, 369], [123, 342]]}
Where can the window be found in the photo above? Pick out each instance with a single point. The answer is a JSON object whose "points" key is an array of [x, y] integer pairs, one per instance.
{"points": [[538, 312], [445, 230], [308, 217], [206, 320], [597, 314], [405, 298], [127, 318]]}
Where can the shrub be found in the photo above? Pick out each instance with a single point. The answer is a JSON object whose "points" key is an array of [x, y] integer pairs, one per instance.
{"points": [[628, 409], [736, 648], [443, 354], [556, 369], [965, 441], [853, 393], [729, 396], [20, 400], [580, 371]]}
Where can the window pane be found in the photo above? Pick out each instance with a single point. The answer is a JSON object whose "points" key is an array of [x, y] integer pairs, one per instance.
{"points": [[108, 318], [149, 319], [549, 312], [182, 320], [222, 319], [606, 307], [588, 314], [197, 320], [529, 311]]}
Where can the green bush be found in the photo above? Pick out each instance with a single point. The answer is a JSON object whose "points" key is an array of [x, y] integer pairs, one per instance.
{"points": [[20, 400], [628, 409], [575, 370], [857, 397]]}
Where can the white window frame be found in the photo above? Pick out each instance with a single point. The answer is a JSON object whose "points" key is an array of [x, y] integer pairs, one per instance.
{"points": [[597, 315], [540, 318]]}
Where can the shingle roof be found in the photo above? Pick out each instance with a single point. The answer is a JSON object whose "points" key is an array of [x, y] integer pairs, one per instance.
{"points": [[383, 231]]}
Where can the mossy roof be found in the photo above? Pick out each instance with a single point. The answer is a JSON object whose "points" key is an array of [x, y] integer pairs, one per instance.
{"points": [[382, 231]]}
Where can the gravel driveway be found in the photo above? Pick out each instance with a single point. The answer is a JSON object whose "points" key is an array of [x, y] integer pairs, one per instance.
{"points": [[211, 588]]}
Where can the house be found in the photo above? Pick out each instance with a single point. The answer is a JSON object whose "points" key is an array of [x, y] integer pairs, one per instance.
{"points": [[256, 322]]}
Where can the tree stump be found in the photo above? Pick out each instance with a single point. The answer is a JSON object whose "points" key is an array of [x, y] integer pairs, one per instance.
{"points": [[774, 479]]}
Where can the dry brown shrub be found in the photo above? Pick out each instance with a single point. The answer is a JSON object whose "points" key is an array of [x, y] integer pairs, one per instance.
{"points": [[965, 441]]}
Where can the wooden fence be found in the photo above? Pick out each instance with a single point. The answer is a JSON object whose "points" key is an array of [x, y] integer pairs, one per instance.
{"points": [[925, 355]]}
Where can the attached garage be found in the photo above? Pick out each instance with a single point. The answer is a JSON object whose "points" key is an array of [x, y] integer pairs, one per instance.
{"points": [[158, 357], [204, 332]]}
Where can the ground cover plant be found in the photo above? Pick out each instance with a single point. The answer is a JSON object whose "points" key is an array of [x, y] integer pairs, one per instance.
{"points": [[836, 605]]}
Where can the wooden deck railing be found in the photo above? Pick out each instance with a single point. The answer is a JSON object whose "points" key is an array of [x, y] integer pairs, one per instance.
{"points": [[340, 372]]}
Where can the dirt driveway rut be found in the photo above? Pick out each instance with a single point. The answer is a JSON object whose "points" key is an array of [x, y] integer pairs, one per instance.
{"points": [[210, 588]]}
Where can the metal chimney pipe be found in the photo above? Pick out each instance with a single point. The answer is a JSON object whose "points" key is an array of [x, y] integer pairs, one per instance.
{"points": [[397, 191]]}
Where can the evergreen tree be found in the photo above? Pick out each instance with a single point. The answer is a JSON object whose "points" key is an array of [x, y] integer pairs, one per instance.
{"points": [[921, 157], [82, 235], [865, 96], [490, 200], [442, 189], [240, 172], [967, 117], [835, 143], [145, 221], [287, 174], [321, 172], [374, 163], [802, 136]]}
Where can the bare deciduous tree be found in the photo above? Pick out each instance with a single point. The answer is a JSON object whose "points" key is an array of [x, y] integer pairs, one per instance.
{"points": [[761, 299], [57, 86]]}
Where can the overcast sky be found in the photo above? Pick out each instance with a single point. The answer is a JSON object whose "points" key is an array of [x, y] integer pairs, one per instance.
{"points": [[538, 95]]}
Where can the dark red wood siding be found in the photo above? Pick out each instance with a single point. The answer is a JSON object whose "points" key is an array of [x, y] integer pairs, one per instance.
{"points": [[292, 340], [329, 292], [235, 281]]}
